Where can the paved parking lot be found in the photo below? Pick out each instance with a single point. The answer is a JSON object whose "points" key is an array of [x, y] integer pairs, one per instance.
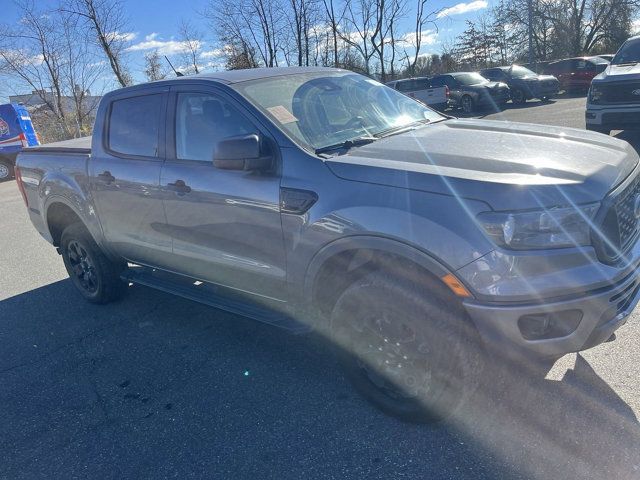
{"points": [[155, 386]]}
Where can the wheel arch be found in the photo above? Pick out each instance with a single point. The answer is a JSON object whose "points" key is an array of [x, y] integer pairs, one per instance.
{"points": [[58, 216], [345, 260]]}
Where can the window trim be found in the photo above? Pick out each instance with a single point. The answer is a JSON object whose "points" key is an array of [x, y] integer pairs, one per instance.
{"points": [[160, 156], [172, 118]]}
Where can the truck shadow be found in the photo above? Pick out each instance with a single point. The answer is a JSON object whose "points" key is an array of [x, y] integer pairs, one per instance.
{"points": [[186, 390]]}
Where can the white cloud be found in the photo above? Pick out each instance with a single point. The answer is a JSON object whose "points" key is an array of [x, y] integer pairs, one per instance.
{"points": [[164, 47], [635, 26], [461, 8], [428, 37], [123, 36], [214, 53]]}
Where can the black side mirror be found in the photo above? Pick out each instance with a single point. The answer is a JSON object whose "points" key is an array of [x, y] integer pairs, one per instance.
{"points": [[240, 153]]}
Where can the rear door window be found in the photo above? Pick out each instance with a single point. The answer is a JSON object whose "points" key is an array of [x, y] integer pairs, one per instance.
{"points": [[134, 125]]}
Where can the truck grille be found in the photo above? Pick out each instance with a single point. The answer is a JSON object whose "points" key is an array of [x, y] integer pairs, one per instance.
{"points": [[620, 225], [621, 92]]}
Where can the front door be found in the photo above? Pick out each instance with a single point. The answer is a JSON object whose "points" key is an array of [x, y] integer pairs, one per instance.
{"points": [[225, 224], [124, 171]]}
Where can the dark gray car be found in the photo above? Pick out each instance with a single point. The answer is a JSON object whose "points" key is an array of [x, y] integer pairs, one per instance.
{"points": [[470, 91], [418, 245], [524, 83]]}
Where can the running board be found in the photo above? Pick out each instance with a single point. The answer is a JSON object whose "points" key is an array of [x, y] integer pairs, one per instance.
{"points": [[210, 294]]}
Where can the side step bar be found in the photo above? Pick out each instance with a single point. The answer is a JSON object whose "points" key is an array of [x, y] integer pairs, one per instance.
{"points": [[210, 294]]}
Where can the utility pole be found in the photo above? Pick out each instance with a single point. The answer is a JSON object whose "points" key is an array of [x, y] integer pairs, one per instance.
{"points": [[530, 15]]}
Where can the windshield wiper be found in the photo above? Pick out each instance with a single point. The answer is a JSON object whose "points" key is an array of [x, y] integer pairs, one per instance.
{"points": [[624, 64], [352, 142], [401, 129]]}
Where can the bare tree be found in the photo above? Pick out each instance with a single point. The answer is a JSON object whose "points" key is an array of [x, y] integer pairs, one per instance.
{"points": [[386, 15], [359, 23], [33, 54], [254, 25], [50, 54], [107, 20], [304, 14], [192, 40], [81, 72], [334, 22], [422, 19], [153, 69]]}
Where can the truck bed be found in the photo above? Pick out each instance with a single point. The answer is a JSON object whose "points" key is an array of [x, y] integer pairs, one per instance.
{"points": [[76, 145]]}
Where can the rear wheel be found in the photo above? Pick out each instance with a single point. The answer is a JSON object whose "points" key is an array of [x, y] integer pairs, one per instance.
{"points": [[6, 169], [467, 104], [95, 276], [413, 357]]}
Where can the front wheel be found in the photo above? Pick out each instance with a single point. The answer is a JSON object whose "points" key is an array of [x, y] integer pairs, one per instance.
{"points": [[6, 170], [518, 96], [95, 276], [406, 350]]}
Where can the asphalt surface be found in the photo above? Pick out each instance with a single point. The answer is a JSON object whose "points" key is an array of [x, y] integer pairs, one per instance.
{"points": [[155, 386]]}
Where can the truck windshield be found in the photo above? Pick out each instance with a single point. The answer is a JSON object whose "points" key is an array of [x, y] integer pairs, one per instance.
{"points": [[628, 53], [323, 109]]}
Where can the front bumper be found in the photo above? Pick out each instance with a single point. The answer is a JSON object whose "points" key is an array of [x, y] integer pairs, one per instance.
{"points": [[603, 312], [613, 117]]}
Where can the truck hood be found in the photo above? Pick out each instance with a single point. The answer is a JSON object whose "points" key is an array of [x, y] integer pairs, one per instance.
{"points": [[507, 165], [615, 73]]}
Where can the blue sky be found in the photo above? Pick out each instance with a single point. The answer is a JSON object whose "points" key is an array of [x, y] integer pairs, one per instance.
{"points": [[155, 23]]}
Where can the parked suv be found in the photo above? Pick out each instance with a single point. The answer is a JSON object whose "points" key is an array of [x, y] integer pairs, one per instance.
{"points": [[471, 91], [524, 83], [613, 102], [576, 73], [417, 244], [422, 89]]}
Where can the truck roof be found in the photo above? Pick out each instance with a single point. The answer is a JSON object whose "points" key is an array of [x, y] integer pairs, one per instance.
{"points": [[229, 77]]}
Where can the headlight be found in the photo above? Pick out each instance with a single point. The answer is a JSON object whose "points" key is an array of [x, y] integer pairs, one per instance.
{"points": [[595, 94], [549, 228]]}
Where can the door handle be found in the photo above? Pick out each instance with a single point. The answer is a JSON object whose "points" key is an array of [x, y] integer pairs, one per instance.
{"points": [[179, 187], [106, 177]]}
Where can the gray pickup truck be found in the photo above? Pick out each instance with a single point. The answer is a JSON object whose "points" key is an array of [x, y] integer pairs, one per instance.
{"points": [[613, 102], [311, 198]]}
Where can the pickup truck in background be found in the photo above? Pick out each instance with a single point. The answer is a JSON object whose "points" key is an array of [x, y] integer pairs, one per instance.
{"points": [[613, 102], [16, 132], [421, 88], [313, 198]]}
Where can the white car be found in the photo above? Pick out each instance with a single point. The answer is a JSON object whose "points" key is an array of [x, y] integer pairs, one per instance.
{"points": [[421, 89]]}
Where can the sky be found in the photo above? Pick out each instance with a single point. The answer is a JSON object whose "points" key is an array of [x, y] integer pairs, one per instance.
{"points": [[154, 24]]}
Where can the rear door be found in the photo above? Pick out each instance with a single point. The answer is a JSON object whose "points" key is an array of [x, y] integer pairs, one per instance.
{"points": [[124, 172], [26, 125], [225, 224]]}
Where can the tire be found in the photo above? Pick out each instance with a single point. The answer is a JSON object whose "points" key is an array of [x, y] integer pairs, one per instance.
{"points": [[603, 130], [440, 350], [467, 104], [6, 170], [95, 276], [518, 96]]}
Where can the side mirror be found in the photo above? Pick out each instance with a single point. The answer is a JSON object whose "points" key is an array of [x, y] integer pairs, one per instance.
{"points": [[240, 153]]}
